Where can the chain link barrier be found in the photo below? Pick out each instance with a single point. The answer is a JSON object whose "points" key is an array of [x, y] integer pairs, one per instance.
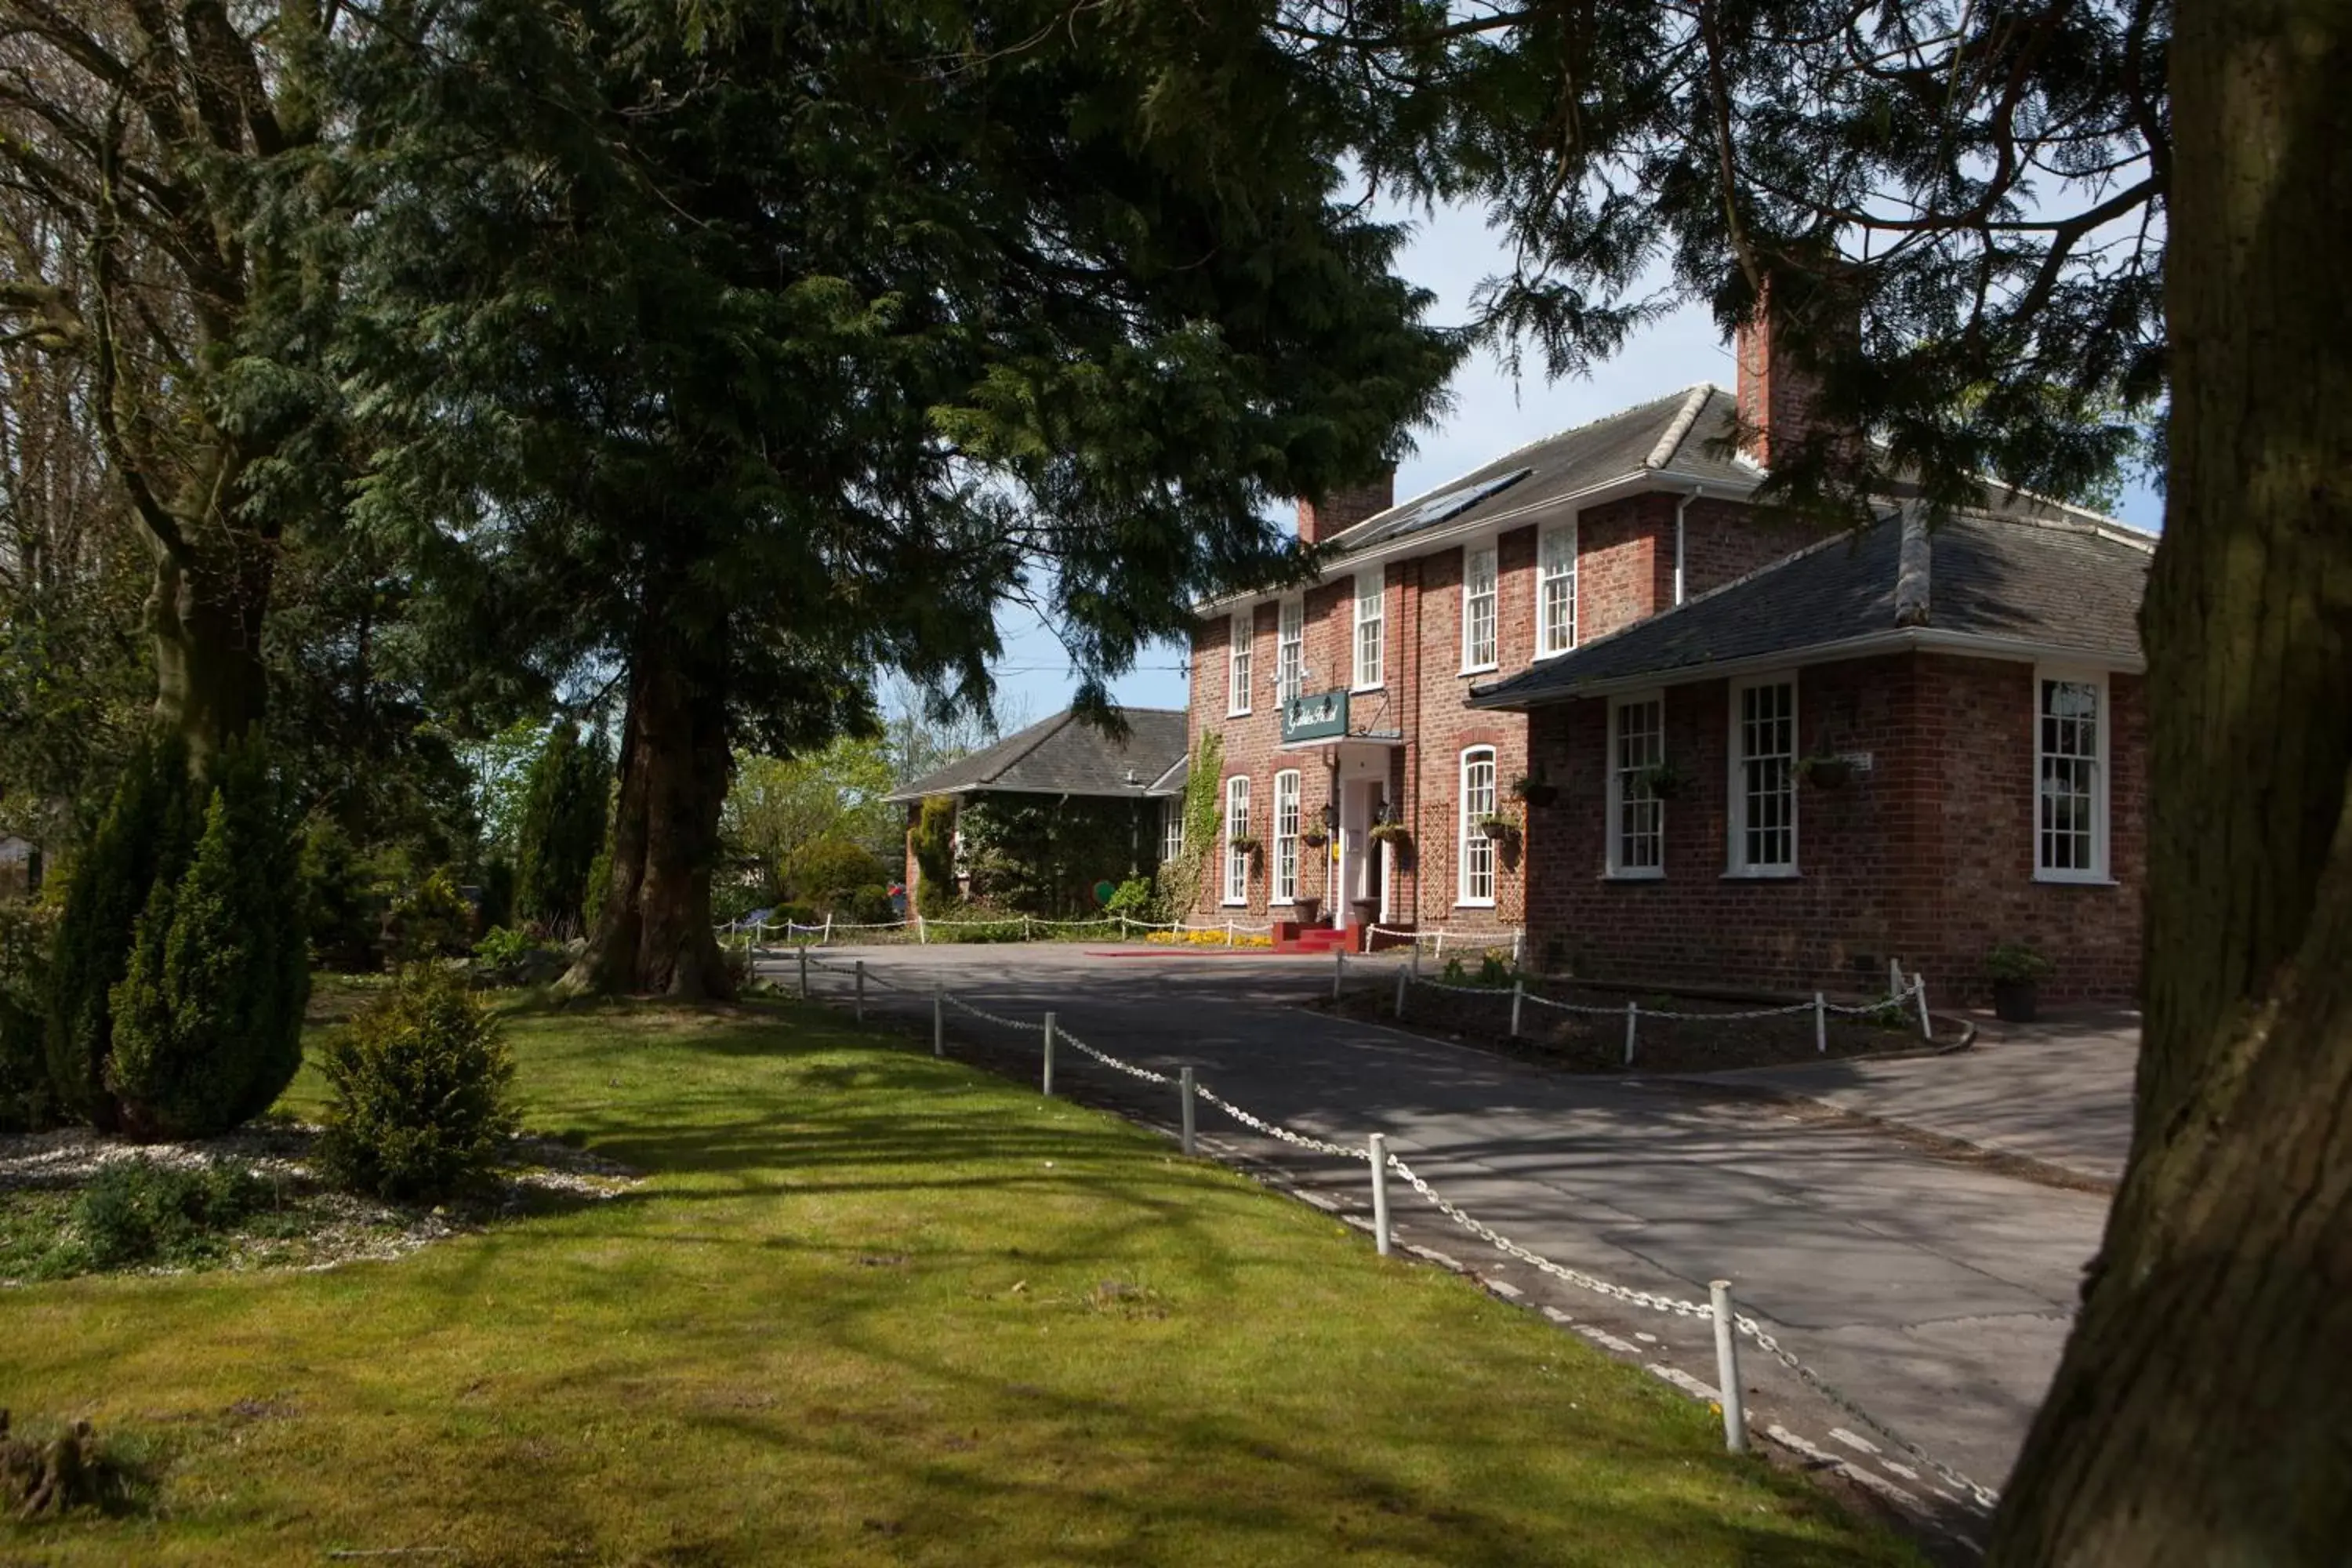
{"points": [[1902, 998], [1650, 1301]]}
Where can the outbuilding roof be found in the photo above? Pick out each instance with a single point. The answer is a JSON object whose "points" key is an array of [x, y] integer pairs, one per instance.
{"points": [[1060, 755], [1974, 582]]}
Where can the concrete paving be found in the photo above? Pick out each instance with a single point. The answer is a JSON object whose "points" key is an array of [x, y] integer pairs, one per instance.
{"points": [[1937, 1294], [2059, 1091]]}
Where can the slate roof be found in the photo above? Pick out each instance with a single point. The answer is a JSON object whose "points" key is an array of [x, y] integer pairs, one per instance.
{"points": [[1061, 756], [2068, 584], [1674, 436]]}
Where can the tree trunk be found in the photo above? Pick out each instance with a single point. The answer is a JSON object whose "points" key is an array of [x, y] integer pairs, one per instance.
{"points": [[210, 684], [2203, 1410], [654, 934]]}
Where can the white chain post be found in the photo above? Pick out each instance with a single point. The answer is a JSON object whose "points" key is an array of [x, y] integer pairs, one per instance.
{"points": [[1438, 956], [1403, 976], [1518, 937], [1229, 930], [1821, 1024], [828, 929], [1919, 989], [1519, 999], [1377, 1149], [1632, 1012], [922, 933], [1893, 978], [1185, 1086], [1049, 1056], [802, 950], [939, 1019], [1338, 971], [1024, 928], [860, 1013], [1726, 1368]]}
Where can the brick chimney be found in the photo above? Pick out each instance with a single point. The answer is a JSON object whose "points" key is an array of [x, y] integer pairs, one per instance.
{"points": [[1345, 508], [1779, 394]]}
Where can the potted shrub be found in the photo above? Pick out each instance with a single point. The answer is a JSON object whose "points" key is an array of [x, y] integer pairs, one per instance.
{"points": [[2017, 972], [1664, 781], [1826, 772], [1534, 791]]}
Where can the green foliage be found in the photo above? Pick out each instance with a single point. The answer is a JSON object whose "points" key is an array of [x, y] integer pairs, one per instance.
{"points": [[599, 883], [2015, 961], [778, 805], [500, 947], [1137, 899], [560, 831], [344, 899], [420, 1091], [142, 843], [830, 873], [208, 1015], [140, 1212], [26, 931], [932, 841], [1180, 879], [433, 920], [1041, 855]]}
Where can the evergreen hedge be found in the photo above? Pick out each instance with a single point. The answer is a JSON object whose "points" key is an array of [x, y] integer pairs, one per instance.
{"points": [[207, 1018]]}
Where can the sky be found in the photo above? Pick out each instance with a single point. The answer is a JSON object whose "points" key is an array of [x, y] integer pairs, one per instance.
{"points": [[1493, 413]]}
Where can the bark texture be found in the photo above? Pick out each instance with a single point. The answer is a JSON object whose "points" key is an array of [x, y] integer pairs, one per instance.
{"points": [[2202, 1413], [653, 933], [210, 682]]}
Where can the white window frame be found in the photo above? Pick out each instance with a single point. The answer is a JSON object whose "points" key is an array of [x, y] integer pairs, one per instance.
{"points": [[2097, 872], [1237, 820], [1171, 829], [1290, 649], [1286, 839], [1735, 813], [1622, 794], [1473, 849], [1241, 637], [1370, 674], [1482, 586], [1552, 639]]}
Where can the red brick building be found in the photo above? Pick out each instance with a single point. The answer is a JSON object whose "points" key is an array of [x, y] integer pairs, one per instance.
{"points": [[1385, 708], [1912, 744]]}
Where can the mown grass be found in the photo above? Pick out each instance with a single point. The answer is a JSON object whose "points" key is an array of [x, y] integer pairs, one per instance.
{"points": [[875, 1309]]}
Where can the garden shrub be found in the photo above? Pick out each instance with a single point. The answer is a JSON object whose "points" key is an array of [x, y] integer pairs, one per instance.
{"points": [[501, 947], [138, 1212], [208, 1016], [144, 839], [834, 873], [26, 930], [432, 920], [420, 1091], [343, 902], [561, 836], [932, 842], [1138, 898]]}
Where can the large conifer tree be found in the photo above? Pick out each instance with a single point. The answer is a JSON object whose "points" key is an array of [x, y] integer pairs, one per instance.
{"points": [[745, 352]]}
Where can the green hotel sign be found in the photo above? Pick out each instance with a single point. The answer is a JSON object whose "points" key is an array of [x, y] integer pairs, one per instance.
{"points": [[1314, 716]]}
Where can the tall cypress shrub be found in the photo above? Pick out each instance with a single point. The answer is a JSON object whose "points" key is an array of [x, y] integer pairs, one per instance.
{"points": [[144, 838], [932, 841], [563, 830], [208, 1015]]}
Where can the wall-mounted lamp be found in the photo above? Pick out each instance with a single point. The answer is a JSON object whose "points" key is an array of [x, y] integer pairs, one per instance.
{"points": [[1330, 816]]}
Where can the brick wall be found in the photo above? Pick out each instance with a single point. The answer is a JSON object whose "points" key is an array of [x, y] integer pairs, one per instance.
{"points": [[1926, 859]]}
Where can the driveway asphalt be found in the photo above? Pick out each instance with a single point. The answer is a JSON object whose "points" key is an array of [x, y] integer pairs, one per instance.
{"points": [[2058, 1091], [1935, 1294]]}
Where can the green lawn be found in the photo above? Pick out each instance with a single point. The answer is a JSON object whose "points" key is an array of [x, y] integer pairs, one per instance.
{"points": [[876, 1308]]}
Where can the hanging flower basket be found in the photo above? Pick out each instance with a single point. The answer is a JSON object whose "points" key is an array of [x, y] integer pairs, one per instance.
{"points": [[1497, 826], [1534, 791], [1392, 833], [1314, 838], [1664, 781], [1246, 842], [1826, 772]]}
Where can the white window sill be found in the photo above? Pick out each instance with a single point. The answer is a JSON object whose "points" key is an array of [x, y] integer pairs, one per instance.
{"points": [[1474, 903], [2061, 879], [1375, 686], [1640, 874], [1765, 874], [1237, 712], [1478, 669], [1234, 904], [1556, 652]]}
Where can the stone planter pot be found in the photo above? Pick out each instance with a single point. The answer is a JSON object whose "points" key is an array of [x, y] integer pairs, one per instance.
{"points": [[2017, 1001]]}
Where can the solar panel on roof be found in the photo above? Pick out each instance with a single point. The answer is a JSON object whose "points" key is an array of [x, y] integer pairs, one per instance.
{"points": [[1437, 508]]}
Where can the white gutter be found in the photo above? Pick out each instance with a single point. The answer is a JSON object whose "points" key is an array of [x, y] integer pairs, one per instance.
{"points": [[1906, 640]]}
